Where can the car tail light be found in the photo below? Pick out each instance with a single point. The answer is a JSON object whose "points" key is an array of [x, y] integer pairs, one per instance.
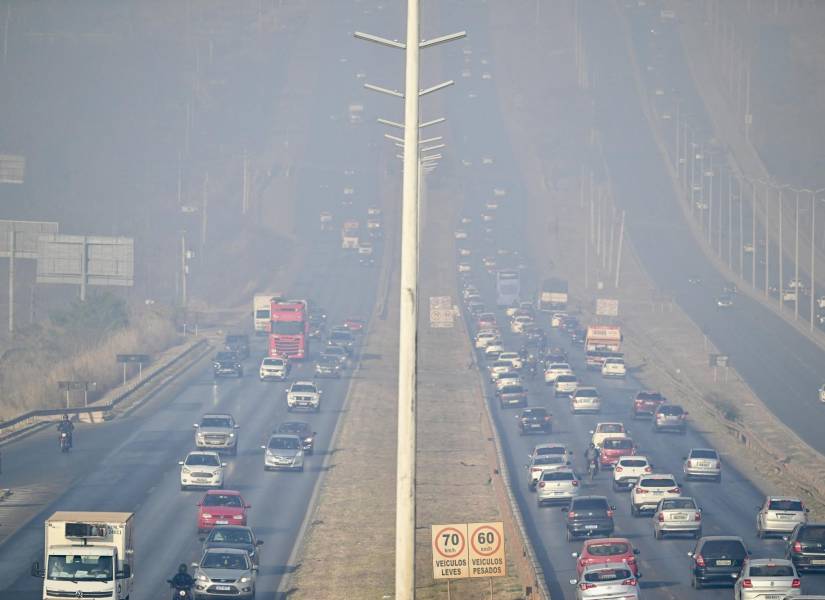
{"points": [[206, 516], [700, 560], [747, 583], [661, 517], [797, 546], [629, 582], [619, 469], [575, 483], [675, 490], [571, 515], [698, 516], [586, 586], [610, 513], [546, 418], [640, 490], [238, 517], [796, 584], [648, 470], [541, 484]]}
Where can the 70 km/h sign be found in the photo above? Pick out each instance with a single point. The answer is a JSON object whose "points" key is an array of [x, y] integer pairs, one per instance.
{"points": [[450, 555]]}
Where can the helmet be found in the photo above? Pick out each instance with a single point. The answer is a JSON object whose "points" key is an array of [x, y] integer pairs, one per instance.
{"points": [[592, 445], [65, 416], [182, 568]]}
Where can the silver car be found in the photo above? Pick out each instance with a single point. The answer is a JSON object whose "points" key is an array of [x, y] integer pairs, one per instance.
{"points": [[703, 463], [224, 572], [606, 580], [216, 431], [284, 451], [766, 579], [539, 464], [557, 485], [677, 515], [780, 514]]}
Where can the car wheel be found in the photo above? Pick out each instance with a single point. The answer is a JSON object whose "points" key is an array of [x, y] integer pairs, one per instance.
{"points": [[301, 469], [570, 536], [657, 533], [718, 479], [633, 510], [182, 488], [695, 583], [697, 534]]}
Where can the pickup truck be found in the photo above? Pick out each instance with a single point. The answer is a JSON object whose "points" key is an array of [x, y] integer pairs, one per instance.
{"points": [[227, 363], [303, 394]]}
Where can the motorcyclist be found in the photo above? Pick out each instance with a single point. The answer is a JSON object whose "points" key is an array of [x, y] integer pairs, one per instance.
{"points": [[66, 426], [591, 455], [182, 579]]}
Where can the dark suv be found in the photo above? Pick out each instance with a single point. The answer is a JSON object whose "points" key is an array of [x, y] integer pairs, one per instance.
{"points": [[670, 417], [536, 420], [645, 404], [717, 559], [806, 547], [239, 344], [227, 363], [589, 516]]}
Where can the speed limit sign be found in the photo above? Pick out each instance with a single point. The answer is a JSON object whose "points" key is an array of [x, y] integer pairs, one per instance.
{"points": [[450, 552], [486, 551]]}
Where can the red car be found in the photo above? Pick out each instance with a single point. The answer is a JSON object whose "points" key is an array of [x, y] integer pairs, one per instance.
{"points": [[646, 403], [607, 550], [614, 448], [354, 324], [486, 320], [221, 507]]}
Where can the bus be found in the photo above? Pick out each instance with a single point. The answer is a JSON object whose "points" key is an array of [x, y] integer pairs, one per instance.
{"points": [[508, 287]]}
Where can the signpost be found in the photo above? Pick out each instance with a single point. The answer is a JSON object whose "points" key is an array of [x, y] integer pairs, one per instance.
{"points": [[467, 550], [442, 314], [12, 168], [719, 360], [140, 359], [70, 386]]}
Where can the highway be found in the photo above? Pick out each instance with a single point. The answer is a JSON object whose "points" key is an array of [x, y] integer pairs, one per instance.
{"points": [[131, 464], [670, 253]]}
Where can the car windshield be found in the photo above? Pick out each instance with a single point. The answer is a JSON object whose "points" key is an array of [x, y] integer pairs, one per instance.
{"points": [[334, 351], [549, 460], [208, 460], [512, 389], [224, 560], [771, 571], [812, 534], [341, 335], [679, 504], [633, 462], [586, 392], [534, 413], [617, 444], [230, 500], [611, 428], [220, 422], [711, 454], [790, 505], [589, 504], [79, 567], [303, 387], [551, 450], [654, 396], [225, 356], [231, 536], [293, 428], [288, 327], [566, 378], [604, 575], [273, 362], [557, 476], [284, 443], [670, 410], [657, 482], [727, 548], [610, 549]]}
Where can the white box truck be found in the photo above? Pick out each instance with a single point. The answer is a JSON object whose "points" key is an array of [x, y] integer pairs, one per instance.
{"points": [[261, 307], [87, 555]]}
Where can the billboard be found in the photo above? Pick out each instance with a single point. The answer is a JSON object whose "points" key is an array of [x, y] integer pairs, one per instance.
{"points": [[85, 260], [26, 234]]}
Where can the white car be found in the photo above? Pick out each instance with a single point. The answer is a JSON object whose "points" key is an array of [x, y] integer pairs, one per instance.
{"points": [[464, 267], [607, 430], [275, 368], [486, 337], [628, 470], [780, 514], [518, 324], [508, 378], [303, 394], [565, 385], [460, 234], [557, 318], [492, 351], [556, 485], [513, 358], [606, 580], [767, 578], [365, 248], [542, 463], [614, 367], [650, 489], [498, 367], [201, 469], [464, 252], [703, 463], [553, 370], [585, 399]]}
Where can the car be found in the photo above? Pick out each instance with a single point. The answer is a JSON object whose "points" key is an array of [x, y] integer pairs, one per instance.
{"points": [[512, 395], [366, 260], [492, 351], [628, 469], [613, 448], [507, 377], [589, 516], [780, 514], [578, 336], [724, 301], [201, 469], [224, 572], [327, 366], [552, 449], [462, 251], [647, 492], [557, 318], [317, 326], [341, 354], [606, 580], [364, 247], [373, 211], [464, 267], [460, 234], [555, 369], [614, 367], [233, 536], [717, 559], [518, 324], [274, 369], [475, 307], [520, 309], [498, 367], [606, 550], [217, 431], [303, 394], [486, 320], [469, 289], [703, 463], [557, 485], [607, 430], [283, 452], [341, 337], [646, 403], [670, 417], [303, 430], [766, 578], [221, 507], [486, 337], [565, 385], [513, 358], [489, 262], [805, 546], [534, 420], [355, 324], [677, 515], [227, 363], [585, 399], [542, 463], [237, 343]]}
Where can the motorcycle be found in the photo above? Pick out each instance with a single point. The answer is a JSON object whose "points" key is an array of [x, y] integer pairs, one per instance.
{"points": [[65, 441], [181, 592]]}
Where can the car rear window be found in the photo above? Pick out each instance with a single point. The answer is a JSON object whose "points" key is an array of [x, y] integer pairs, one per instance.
{"points": [[610, 428], [610, 549], [617, 444], [303, 388], [791, 505], [557, 476], [657, 482], [704, 454], [680, 504], [534, 412], [728, 548], [771, 571], [650, 396], [607, 575], [629, 462], [589, 504], [815, 533], [548, 460], [566, 378], [512, 389], [670, 410], [551, 450]]}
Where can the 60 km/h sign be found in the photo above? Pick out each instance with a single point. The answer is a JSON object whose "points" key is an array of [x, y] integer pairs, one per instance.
{"points": [[486, 551], [450, 554]]}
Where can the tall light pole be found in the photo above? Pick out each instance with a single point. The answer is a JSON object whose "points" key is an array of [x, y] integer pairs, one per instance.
{"points": [[408, 326], [814, 195]]}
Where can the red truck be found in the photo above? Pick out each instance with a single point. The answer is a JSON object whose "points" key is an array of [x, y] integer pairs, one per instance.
{"points": [[289, 335]]}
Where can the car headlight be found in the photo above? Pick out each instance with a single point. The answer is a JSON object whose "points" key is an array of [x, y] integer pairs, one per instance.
{"points": [[185, 471], [202, 577], [216, 365], [245, 579], [308, 440], [231, 435], [206, 516], [239, 517]]}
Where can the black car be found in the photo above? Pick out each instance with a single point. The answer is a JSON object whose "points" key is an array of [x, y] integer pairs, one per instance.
{"points": [[328, 366], [317, 326], [535, 420], [341, 337], [806, 547], [239, 344], [303, 431], [340, 353], [233, 536], [577, 336], [227, 363], [589, 516], [717, 559]]}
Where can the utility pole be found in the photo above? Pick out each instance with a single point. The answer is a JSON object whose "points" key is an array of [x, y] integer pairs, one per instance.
{"points": [[754, 245], [6, 33], [797, 283], [245, 196], [11, 279], [767, 239], [183, 269], [619, 253], [781, 255], [204, 216]]}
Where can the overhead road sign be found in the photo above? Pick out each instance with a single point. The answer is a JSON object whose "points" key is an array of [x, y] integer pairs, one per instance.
{"points": [[12, 168]]}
